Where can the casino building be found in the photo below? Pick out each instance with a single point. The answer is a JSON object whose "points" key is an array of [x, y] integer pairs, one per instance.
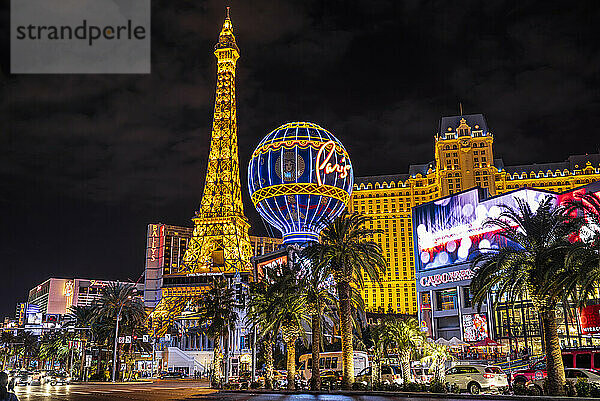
{"points": [[449, 233], [463, 159], [56, 295]]}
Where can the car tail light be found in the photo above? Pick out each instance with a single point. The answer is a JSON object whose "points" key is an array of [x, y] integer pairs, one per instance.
{"points": [[488, 376]]}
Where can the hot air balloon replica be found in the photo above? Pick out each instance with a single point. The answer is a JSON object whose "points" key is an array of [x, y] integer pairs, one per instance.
{"points": [[300, 178]]}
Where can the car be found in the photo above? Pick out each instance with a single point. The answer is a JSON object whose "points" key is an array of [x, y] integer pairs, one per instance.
{"points": [[535, 371], [171, 375], [390, 374], [58, 379], [571, 374], [22, 379], [421, 375], [477, 378], [331, 379]]}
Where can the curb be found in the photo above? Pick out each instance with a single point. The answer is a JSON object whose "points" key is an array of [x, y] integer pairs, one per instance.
{"points": [[414, 395], [111, 383]]}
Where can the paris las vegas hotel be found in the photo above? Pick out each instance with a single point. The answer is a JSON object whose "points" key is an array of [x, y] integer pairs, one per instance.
{"points": [[464, 159]]}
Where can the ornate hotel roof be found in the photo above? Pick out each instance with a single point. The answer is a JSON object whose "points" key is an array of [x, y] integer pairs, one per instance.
{"points": [[572, 163]]}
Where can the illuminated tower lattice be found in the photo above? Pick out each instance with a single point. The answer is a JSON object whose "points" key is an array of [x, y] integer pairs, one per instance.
{"points": [[220, 242]]}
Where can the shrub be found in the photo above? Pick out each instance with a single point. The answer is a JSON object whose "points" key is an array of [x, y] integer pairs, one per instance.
{"points": [[413, 387], [582, 387], [452, 388], [437, 387], [360, 386], [255, 385], [594, 390], [570, 389], [520, 389]]}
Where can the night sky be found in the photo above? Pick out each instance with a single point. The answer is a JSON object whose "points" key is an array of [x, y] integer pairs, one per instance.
{"points": [[87, 161]]}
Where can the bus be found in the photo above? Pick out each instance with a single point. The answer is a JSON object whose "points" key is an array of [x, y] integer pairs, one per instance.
{"points": [[331, 361]]}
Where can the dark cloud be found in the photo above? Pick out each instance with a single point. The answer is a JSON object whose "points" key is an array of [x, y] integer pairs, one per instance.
{"points": [[87, 161]]}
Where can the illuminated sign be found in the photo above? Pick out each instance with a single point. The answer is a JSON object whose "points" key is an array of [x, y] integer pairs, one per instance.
{"points": [[155, 245], [326, 166], [300, 179], [98, 283], [271, 264], [68, 290], [452, 230], [448, 277], [589, 319]]}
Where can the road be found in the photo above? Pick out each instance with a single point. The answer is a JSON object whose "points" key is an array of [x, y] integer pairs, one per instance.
{"points": [[156, 391], [178, 390]]}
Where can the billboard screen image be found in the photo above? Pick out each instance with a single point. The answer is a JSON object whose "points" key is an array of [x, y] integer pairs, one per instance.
{"points": [[475, 327], [451, 230]]}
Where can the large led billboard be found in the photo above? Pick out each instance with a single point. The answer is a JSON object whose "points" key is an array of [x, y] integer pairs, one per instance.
{"points": [[451, 230]]}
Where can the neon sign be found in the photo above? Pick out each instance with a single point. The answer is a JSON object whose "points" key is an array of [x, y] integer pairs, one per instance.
{"points": [[448, 277], [341, 169]]}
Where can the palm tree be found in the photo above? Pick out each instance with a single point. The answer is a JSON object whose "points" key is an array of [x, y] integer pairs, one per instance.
{"points": [[84, 316], [279, 306], [320, 306], [7, 339], [407, 336], [217, 309], [436, 356], [381, 335], [347, 252], [532, 264], [585, 254], [259, 315], [118, 300], [28, 347]]}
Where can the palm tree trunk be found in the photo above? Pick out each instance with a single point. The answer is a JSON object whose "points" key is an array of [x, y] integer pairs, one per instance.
{"points": [[376, 370], [405, 364], [81, 366], [269, 362], [315, 379], [291, 363], [343, 288], [216, 379], [554, 362]]}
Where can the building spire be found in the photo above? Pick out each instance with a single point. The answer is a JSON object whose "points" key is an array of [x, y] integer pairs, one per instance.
{"points": [[227, 13]]}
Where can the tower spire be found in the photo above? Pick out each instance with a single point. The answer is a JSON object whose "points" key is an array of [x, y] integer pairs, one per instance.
{"points": [[220, 240]]}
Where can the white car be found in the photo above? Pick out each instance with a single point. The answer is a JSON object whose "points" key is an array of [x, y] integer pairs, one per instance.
{"points": [[571, 374], [477, 378]]}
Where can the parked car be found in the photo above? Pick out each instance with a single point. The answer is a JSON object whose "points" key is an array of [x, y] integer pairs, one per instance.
{"points": [[171, 375], [331, 379], [477, 378], [389, 374], [571, 374], [535, 371], [421, 374]]}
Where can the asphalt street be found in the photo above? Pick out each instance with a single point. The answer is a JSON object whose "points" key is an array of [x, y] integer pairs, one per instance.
{"points": [[156, 391], [179, 390]]}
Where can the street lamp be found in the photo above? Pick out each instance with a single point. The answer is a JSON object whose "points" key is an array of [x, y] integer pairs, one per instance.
{"points": [[114, 367]]}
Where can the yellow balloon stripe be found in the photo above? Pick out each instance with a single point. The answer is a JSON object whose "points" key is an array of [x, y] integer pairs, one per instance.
{"points": [[300, 189]]}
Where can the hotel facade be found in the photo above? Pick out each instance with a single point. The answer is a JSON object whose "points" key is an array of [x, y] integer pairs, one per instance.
{"points": [[463, 159]]}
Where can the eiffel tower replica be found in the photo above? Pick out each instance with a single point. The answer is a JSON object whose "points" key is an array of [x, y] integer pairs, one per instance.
{"points": [[220, 244]]}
